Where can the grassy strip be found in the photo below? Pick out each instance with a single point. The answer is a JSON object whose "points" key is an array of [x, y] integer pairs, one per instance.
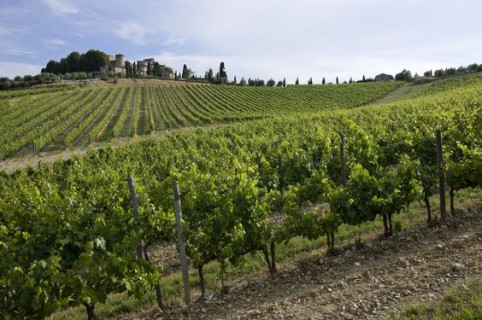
{"points": [[463, 303], [404, 92], [253, 264]]}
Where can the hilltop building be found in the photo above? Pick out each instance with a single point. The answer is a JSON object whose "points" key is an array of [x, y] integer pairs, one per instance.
{"points": [[384, 77], [152, 67], [116, 65], [167, 75], [142, 67]]}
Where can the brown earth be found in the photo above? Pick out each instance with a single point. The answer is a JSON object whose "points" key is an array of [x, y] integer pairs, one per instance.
{"points": [[368, 282], [140, 82], [156, 82]]}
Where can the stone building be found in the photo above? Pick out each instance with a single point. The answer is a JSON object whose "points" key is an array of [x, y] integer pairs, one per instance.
{"points": [[167, 75], [384, 77], [116, 65]]}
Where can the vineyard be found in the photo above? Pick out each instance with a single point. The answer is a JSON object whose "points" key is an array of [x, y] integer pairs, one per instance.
{"points": [[306, 163], [76, 118]]}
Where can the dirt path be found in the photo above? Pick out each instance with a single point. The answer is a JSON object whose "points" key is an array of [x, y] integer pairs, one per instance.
{"points": [[366, 283]]}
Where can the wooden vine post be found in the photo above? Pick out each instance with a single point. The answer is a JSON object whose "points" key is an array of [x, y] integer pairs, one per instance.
{"points": [[440, 162], [135, 209], [182, 247]]}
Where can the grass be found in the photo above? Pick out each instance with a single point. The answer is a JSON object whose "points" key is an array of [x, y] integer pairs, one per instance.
{"points": [[254, 265], [403, 93], [462, 303]]}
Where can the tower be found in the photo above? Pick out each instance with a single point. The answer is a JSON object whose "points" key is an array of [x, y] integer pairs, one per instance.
{"points": [[119, 61]]}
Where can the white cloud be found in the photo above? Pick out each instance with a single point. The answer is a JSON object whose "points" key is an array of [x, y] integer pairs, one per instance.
{"points": [[173, 40], [11, 49], [134, 32], [61, 7], [54, 43], [8, 31], [13, 69], [308, 38], [268, 38]]}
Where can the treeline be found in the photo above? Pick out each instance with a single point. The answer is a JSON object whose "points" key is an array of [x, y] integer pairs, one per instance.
{"points": [[406, 75], [453, 71], [90, 61], [221, 77], [27, 81]]}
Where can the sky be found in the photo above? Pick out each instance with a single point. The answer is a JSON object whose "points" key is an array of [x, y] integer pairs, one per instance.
{"points": [[254, 38]]}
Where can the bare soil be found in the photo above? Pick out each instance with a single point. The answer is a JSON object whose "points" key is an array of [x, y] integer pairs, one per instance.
{"points": [[370, 281]]}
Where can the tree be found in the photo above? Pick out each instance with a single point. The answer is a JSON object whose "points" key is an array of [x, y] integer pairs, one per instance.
{"points": [[337, 81], [450, 71], [279, 84], [129, 69], [461, 69], [51, 66], [235, 80], [62, 67], [185, 72], [149, 68], [209, 75], [428, 73], [271, 83], [439, 73], [297, 82], [405, 75], [351, 80], [284, 82], [310, 81], [363, 79], [473, 67], [73, 62], [323, 81], [242, 82], [223, 77], [93, 60]]}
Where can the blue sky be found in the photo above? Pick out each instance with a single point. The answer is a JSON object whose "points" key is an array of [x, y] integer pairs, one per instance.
{"points": [[255, 38]]}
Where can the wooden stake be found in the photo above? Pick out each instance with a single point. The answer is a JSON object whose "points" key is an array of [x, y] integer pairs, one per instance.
{"points": [[180, 238], [135, 208], [440, 162]]}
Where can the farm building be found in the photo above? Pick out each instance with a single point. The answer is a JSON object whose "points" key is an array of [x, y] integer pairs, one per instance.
{"points": [[384, 77]]}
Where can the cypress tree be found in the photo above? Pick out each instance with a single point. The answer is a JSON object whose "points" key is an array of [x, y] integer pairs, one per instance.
{"points": [[185, 72]]}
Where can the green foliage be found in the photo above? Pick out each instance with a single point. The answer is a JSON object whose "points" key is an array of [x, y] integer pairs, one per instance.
{"points": [[453, 83], [49, 118], [463, 303], [271, 83], [67, 235], [90, 61], [405, 75], [186, 73]]}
